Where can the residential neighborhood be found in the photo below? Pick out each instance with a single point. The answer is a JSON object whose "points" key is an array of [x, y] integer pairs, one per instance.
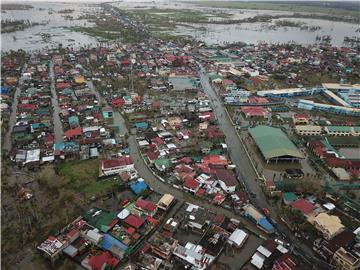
{"points": [[168, 154]]}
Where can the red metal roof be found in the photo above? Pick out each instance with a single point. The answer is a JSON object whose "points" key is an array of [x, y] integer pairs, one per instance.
{"points": [[191, 183], [284, 262], [145, 205], [73, 132], [254, 111], [134, 221], [227, 176], [303, 206], [100, 261], [119, 162]]}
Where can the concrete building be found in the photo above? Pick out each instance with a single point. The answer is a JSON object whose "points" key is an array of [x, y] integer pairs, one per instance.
{"points": [[328, 225], [339, 130], [336, 109], [345, 260], [308, 130]]}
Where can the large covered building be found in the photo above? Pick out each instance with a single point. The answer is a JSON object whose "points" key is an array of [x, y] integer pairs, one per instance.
{"points": [[274, 144]]}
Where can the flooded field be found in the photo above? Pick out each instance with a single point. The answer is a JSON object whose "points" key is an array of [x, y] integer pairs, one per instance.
{"points": [[54, 28], [256, 32], [52, 23]]}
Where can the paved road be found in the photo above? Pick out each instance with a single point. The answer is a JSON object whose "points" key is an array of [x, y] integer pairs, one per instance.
{"points": [[117, 117], [58, 127], [247, 174], [7, 145], [161, 187]]}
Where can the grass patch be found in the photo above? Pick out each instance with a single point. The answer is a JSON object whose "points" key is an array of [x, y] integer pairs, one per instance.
{"points": [[82, 176]]}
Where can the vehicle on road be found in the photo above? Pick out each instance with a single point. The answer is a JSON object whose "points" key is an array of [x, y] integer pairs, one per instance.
{"points": [[266, 212]]}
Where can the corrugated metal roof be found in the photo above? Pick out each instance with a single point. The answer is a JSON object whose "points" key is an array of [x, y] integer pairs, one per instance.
{"points": [[273, 142]]}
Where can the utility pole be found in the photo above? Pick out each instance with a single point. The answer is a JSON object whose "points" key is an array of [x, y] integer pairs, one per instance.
{"points": [[133, 61]]}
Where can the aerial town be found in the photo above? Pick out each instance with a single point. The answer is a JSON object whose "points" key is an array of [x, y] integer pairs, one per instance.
{"points": [[150, 150]]}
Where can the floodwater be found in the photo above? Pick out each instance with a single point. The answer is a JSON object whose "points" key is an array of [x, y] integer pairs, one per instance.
{"points": [[55, 25], [257, 32]]}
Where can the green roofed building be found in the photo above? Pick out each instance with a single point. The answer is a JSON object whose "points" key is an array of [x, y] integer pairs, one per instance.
{"points": [[274, 144], [162, 164], [289, 197]]}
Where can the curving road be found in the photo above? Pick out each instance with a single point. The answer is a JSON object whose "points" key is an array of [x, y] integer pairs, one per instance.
{"points": [[156, 184]]}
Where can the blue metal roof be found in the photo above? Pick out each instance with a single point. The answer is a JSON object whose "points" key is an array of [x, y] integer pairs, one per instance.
{"points": [[142, 125], [109, 241], [266, 225], [138, 187], [4, 90]]}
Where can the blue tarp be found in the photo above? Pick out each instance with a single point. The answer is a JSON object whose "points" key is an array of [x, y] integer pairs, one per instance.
{"points": [[109, 241], [141, 125], [266, 225], [138, 187], [4, 90]]}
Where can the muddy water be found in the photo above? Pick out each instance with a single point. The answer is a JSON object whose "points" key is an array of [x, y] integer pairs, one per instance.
{"points": [[256, 32], [54, 24]]}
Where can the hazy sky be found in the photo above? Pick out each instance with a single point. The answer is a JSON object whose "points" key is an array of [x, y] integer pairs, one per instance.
{"points": [[22, 1]]}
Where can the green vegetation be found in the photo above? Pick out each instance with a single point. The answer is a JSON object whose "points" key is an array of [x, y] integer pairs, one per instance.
{"points": [[110, 30], [281, 6], [13, 6], [160, 20], [8, 26], [82, 176]]}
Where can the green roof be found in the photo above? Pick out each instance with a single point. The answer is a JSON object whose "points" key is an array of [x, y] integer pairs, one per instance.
{"points": [[22, 136], [273, 142], [163, 162], [339, 128], [290, 196], [100, 218], [357, 129], [344, 140]]}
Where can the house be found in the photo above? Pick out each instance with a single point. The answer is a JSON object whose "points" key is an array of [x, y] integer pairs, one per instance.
{"points": [[175, 122], [116, 166], [147, 207], [162, 164], [238, 238], [166, 201], [73, 121], [162, 245], [73, 133], [263, 253], [194, 255], [285, 262], [138, 187], [100, 261], [134, 221], [107, 112], [191, 185], [303, 206], [205, 146], [227, 180], [79, 79], [300, 119], [345, 260], [197, 217], [328, 225], [141, 125], [289, 198]]}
